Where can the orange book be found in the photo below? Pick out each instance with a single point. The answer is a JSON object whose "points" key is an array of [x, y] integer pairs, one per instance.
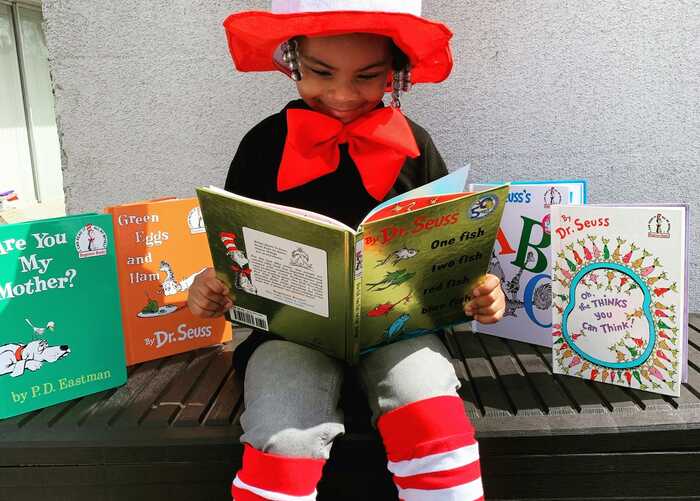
{"points": [[161, 246]]}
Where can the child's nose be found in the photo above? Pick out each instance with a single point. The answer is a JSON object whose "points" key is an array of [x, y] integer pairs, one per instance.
{"points": [[344, 92]]}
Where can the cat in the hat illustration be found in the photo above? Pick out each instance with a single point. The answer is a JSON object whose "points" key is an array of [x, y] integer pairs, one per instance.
{"points": [[241, 265]]}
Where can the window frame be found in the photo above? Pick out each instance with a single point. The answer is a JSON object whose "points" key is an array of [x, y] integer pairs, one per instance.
{"points": [[40, 196]]}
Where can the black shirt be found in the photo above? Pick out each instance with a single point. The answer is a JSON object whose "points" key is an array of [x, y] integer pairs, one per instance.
{"points": [[340, 194]]}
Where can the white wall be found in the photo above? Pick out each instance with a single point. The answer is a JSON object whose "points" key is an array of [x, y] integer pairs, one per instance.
{"points": [[148, 102]]}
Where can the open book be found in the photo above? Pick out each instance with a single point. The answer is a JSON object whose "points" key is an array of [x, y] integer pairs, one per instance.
{"points": [[405, 271]]}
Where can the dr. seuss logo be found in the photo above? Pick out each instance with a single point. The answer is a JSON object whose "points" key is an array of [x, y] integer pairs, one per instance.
{"points": [[483, 207], [91, 241], [552, 197], [659, 227], [195, 221]]}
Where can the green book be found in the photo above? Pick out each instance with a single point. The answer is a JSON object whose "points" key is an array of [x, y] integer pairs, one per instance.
{"points": [[59, 304], [405, 271]]}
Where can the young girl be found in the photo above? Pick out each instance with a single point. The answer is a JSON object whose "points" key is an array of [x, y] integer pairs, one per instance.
{"points": [[339, 151]]}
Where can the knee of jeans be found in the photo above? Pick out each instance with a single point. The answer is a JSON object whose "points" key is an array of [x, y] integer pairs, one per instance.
{"points": [[406, 387], [407, 374], [314, 442]]}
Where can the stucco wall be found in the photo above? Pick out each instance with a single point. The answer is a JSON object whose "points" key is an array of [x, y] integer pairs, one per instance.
{"points": [[148, 103]]}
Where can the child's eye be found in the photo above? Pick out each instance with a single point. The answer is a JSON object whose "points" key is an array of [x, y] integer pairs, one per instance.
{"points": [[321, 73], [368, 76]]}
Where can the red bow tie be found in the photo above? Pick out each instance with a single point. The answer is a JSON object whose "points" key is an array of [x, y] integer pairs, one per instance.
{"points": [[378, 143]]}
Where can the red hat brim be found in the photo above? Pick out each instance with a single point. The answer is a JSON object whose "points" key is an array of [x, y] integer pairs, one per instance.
{"points": [[254, 36]]}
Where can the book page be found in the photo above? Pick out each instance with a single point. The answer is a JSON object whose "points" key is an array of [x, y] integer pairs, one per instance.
{"points": [[284, 209], [288, 272]]}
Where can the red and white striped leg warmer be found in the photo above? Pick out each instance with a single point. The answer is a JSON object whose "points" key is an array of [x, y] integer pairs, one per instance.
{"points": [[432, 451], [277, 478]]}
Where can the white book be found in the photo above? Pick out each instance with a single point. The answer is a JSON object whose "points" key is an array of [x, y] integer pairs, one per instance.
{"points": [[521, 258]]}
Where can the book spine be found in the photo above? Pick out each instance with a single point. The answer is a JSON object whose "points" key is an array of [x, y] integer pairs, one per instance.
{"points": [[118, 255], [356, 299]]}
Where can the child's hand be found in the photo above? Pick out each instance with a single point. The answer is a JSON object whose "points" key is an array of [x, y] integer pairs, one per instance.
{"points": [[488, 301], [208, 296]]}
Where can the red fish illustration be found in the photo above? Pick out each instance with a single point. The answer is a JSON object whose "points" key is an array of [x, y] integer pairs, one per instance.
{"points": [[385, 308]]}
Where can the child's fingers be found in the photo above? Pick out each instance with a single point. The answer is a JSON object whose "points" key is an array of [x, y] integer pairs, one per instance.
{"points": [[206, 304], [489, 306], [209, 280], [208, 310], [487, 299], [487, 284], [488, 319], [491, 313]]}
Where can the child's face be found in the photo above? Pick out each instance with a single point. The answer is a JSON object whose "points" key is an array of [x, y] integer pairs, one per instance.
{"points": [[344, 76]]}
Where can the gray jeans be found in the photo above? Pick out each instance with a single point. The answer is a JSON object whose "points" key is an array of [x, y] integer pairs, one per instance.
{"points": [[292, 392]]}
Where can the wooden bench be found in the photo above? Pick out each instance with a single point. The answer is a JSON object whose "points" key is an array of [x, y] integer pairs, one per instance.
{"points": [[172, 433]]}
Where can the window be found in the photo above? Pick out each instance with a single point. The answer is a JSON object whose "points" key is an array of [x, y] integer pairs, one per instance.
{"points": [[30, 159]]}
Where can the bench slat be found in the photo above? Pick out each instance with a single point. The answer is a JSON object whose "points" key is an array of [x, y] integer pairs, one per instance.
{"points": [[585, 399], [142, 402], [555, 400], [466, 392], [169, 404], [223, 410], [511, 376], [206, 389], [489, 393]]}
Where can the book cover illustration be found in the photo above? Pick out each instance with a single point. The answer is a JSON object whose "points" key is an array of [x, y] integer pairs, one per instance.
{"points": [[521, 258], [620, 295], [298, 274], [59, 303], [419, 268], [161, 246]]}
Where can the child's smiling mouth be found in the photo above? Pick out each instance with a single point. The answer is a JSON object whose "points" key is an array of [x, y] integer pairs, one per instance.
{"points": [[345, 115]]}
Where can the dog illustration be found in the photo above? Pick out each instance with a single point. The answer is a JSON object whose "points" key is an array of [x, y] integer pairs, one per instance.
{"points": [[16, 358]]}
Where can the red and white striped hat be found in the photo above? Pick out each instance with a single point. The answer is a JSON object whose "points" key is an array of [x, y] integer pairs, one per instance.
{"points": [[255, 37], [229, 241]]}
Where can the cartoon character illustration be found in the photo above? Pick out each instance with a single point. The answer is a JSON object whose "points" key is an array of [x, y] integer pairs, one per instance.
{"points": [[170, 285], [482, 207], [300, 258], [397, 255], [397, 326], [552, 196], [391, 279], [385, 308], [16, 358], [659, 222], [241, 265], [90, 236], [39, 331]]}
